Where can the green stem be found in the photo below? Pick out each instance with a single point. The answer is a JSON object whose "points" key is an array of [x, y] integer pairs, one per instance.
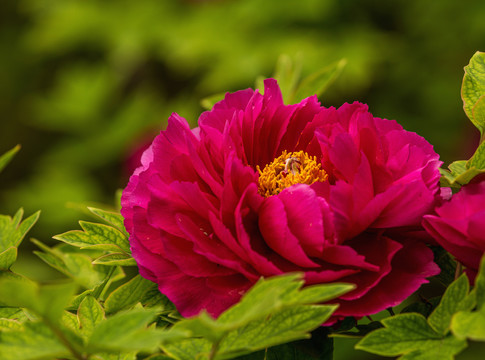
{"points": [[97, 293], [458, 270], [214, 349]]}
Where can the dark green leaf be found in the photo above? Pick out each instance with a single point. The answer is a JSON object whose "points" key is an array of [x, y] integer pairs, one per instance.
{"points": [[362, 330], [318, 347], [446, 264]]}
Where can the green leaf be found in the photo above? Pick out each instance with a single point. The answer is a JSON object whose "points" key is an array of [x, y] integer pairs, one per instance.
{"points": [[446, 263], [451, 302], [128, 294], [7, 258], [8, 156], [479, 113], [189, 349], [70, 321], [467, 324], [90, 314], [318, 82], [460, 174], [320, 347], [13, 313], [117, 356], [471, 324], [112, 218], [274, 311], [47, 301], [275, 293], [9, 324], [153, 297], [410, 335], [34, 341], [285, 326], [473, 88], [480, 284], [77, 266], [94, 234], [127, 331], [287, 73], [115, 259], [13, 231], [158, 357], [477, 161]]}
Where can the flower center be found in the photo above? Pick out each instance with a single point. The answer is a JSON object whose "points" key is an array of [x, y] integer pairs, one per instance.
{"points": [[289, 169]]}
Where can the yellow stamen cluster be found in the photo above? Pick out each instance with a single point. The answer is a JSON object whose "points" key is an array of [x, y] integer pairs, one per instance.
{"points": [[289, 169]]}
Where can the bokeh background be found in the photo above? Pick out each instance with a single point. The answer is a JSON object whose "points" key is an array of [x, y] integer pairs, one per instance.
{"points": [[85, 83]]}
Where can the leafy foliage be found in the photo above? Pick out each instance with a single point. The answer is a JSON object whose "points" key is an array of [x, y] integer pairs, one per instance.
{"points": [[106, 311], [124, 317], [12, 232], [274, 311], [443, 334], [473, 94], [411, 336], [111, 240], [471, 324]]}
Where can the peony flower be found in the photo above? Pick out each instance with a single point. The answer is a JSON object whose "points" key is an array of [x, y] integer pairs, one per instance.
{"points": [[260, 188], [459, 226]]}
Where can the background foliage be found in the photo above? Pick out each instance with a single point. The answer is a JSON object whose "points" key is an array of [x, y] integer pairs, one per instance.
{"points": [[85, 83]]}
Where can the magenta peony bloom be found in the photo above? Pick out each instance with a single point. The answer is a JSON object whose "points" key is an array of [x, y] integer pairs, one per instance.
{"points": [[260, 189], [459, 226]]}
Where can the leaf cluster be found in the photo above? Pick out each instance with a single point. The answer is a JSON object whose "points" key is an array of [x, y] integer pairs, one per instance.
{"points": [[293, 89], [473, 94], [459, 316], [100, 312]]}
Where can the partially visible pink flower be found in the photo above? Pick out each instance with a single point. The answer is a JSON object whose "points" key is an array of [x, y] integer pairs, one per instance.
{"points": [[459, 226], [260, 188]]}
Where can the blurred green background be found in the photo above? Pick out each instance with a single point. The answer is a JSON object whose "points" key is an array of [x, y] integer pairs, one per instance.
{"points": [[85, 83]]}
